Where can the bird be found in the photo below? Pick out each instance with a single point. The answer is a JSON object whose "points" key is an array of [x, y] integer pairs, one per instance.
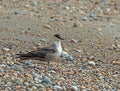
{"points": [[48, 53]]}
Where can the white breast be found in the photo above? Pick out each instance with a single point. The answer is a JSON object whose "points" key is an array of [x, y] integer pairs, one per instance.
{"points": [[59, 50]]}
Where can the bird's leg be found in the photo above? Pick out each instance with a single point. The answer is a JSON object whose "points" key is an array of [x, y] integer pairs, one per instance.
{"points": [[49, 67]]}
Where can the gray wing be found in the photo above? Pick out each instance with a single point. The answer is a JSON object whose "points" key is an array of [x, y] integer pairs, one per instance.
{"points": [[40, 53]]}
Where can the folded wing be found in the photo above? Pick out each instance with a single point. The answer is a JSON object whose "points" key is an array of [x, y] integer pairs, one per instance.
{"points": [[37, 54]]}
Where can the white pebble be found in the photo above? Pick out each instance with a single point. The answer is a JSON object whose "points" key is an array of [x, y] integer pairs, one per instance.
{"points": [[73, 88], [56, 87], [91, 63]]}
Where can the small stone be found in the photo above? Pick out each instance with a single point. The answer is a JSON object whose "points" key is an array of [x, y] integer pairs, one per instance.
{"points": [[43, 40], [104, 89], [112, 25], [5, 49], [67, 7], [91, 57], [16, 12], [70, 58], [34, 3], [84, 18], [57, 88], [114, 89], [73, 88], [104, 0], [37, 80], [26, 83], [91, 63], [27, 63], [77, 24], [46, 80], [116, 62], [26, 5], [47, 26], [74, 41], [8, 17], [82, 67], [36, 75], [79, 51], [16, 82], [34, 88], [91, 15]]}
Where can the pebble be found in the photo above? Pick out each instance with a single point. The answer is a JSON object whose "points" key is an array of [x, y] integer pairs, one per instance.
{"points": [[91, 15], [113, 25], [67, 7], [37, 80], [70, 58], [74, 41], [43, 40], [104, 89], [36, 75], [34, 3], [16, 12], [16, 82], [114, 89], [73, 88], [48, 26], [84, 18], [27, 63], [91, 63], [26, 83], [46, 80], [82, 67], [77, 24], [91, 57], [104, 0], [80, 51], [5, 49], [116, 62], [57, 88]]}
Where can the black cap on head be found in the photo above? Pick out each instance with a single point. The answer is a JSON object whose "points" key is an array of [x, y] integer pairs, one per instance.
{"points": [[58, 36]]}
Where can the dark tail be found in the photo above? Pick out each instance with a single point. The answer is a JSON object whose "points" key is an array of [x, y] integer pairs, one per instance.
{"points": [[23, 56]]}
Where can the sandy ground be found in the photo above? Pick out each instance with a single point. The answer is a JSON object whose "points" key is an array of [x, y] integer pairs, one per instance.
{"points": [[23, 27]]}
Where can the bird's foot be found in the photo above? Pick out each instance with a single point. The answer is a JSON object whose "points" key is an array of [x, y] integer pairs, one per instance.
{"points": [[49, 67]]}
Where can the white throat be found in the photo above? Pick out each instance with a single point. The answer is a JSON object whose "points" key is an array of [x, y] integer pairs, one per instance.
{"points": [[59, 48]]}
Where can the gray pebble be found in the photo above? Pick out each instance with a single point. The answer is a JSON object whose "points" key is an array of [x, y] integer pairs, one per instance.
{"points": [[16, 82], [16, 12], [91, 15], [27, 63], [70, 58], [84, 18], [104, 89], [36, 75], [34, 3], [104, 0], [46, 80], [114, 89], [79, 51], [26, 83], [37, 80]]}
